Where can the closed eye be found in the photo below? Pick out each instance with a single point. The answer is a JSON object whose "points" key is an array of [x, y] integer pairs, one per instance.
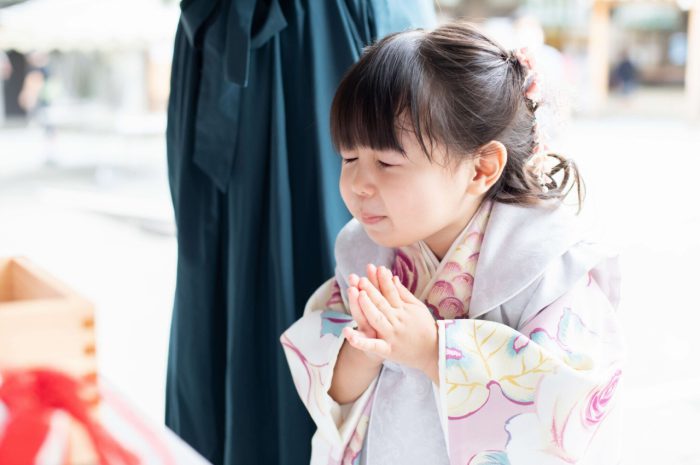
{"points": [[380, 163]]}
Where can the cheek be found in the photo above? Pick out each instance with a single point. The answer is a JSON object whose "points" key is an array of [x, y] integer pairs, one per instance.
{"points": [[427, 205], [418, 207], [345, 191]]}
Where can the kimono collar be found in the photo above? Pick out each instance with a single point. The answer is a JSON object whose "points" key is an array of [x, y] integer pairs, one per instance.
{"points": [[519, 244]]}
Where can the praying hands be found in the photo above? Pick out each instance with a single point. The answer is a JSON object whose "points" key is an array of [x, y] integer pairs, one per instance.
{"points": [[392, 323]]}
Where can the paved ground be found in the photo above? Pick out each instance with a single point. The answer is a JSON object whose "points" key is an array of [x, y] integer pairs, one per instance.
{"points": [[100, 218]]}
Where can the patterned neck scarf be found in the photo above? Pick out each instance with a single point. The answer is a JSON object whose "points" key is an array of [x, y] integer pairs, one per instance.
{"points": [[445, 286]]}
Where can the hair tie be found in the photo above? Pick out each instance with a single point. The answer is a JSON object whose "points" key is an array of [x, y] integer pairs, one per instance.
{"points": [[511, 58]]}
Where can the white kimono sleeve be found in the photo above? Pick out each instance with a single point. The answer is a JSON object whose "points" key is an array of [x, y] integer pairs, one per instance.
{"points": [[311, 346]]}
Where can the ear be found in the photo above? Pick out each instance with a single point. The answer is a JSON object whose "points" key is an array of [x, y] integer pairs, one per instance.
{"points": [[489, 163]]}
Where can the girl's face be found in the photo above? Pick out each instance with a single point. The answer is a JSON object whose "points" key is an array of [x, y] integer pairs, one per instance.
{"points": [[404, 199]]}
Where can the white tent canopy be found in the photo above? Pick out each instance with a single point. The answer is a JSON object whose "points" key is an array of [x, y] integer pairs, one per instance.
{"points": [[87, 24]]}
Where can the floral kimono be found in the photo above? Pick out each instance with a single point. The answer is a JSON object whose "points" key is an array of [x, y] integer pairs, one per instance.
{"points": [[530, 353]]}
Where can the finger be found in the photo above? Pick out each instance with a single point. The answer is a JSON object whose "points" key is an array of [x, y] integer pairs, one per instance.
{"points": [[349, 332], [378, 299], [372, 275], [366, 344], [375, 317], [404, 293], [388, 288], [353, 279], [355, 310]]}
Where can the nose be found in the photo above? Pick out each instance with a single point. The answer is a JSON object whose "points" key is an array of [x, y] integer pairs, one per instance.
{"points": [[361, 185]]}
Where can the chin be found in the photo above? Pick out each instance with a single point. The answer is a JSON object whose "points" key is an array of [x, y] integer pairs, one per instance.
{"points": [[379, 239], [386, 240]]}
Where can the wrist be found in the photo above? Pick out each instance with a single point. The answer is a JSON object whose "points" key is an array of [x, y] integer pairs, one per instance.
{"points": [[430, 365], [360, 357]]}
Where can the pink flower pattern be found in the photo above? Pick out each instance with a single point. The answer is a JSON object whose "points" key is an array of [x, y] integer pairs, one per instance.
{"points": [[599, 400], [405, 268], [451, 291], [336, 298]]}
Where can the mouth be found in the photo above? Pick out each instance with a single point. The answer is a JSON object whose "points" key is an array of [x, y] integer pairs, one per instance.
{"points": [[371, 219]]}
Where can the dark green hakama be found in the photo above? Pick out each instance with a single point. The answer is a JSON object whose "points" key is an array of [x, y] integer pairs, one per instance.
{"points": [[254, 183]]}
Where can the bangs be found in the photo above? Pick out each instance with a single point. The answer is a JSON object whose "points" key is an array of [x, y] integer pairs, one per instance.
{"points": [[382, 95]]}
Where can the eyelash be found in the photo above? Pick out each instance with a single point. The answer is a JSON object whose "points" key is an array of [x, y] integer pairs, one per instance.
{"points": [[347, 161]]}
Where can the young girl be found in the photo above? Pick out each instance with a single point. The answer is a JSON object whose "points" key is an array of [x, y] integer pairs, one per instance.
{"points": [[469, 321]]}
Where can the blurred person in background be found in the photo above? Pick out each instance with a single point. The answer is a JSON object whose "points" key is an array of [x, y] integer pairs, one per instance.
{"points": [[36, 96], [624, 75], [253, 178], [5, 73], [32, 98]]}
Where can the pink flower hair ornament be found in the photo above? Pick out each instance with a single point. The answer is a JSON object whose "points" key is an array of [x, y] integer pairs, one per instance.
{"points": [[532, 90], [532, 87]]}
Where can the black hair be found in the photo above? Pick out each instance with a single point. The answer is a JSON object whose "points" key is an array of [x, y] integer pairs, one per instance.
{"points": [[457, 87]]}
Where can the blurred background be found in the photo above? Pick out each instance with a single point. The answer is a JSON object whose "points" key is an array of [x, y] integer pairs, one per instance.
{"points": [[84, 191]]}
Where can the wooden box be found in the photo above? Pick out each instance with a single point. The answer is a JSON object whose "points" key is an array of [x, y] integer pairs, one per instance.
{"points": [[44, 324]]}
